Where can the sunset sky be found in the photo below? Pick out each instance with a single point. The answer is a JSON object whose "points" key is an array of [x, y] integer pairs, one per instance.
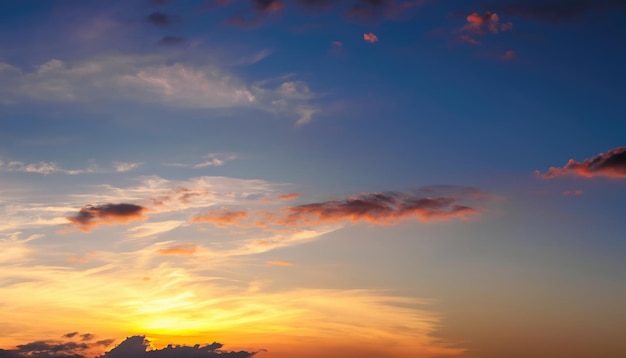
{"points": [[313, 178]]}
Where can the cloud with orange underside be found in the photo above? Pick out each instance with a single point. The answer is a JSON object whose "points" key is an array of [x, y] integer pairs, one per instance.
{"points": [[222, 218], [91, 216], [180, 250], [611, 164], [489, 22], [377, 208]]}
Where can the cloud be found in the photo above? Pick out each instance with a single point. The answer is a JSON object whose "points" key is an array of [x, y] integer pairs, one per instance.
{"points": [[131, 347], [122, 167], [337, 44], [151, 79], [91, 216], [611, 164], [268, 5], [388, 9], [558, 10], [490, 22], [222, 218], [576, 192], [162, 19], [289, 196], [154, 228], [180, 249], [469, 39], [377, 208], [370, 37], [279, 263]]}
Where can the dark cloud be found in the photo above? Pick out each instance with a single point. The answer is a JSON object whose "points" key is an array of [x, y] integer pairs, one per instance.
{"points": [[70, 335], [378, 208], [267, 5], [136, 347], [131, 347], [389, 9], [316, 3], [159, 2], [611, 164], [171, 40], [162, 19], [91, 215], [557, 10], [87, 337]]}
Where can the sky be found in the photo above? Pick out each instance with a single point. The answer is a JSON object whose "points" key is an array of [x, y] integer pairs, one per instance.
{"points": [[312, 178]]}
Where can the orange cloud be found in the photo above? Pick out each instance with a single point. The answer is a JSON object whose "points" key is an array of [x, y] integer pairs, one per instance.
{"points": [[370, 37], [279, 263], [222, 218], [488, 22], [81, 260], [611, 164], [289, 196], [376, 208], [90, 216], [182, 249]]}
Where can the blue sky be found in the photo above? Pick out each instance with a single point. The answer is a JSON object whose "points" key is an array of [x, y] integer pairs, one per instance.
{"points": [[378, 178]]}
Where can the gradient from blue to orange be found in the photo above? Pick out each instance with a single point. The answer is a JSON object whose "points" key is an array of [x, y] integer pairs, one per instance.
{"points": [[370, 178]]}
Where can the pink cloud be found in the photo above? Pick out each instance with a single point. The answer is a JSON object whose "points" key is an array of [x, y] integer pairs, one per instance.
{"points": [[469, 39], [337, 43], [488, 22], [610, 164], [370, 37]]}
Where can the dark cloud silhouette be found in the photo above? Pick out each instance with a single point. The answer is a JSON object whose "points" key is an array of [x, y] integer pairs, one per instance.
{"points": [[90, 216], [171, 40], [557, 10], [70, 335], [162, 19], [389, 9], [131, 347], [136, 347], [611, 164]]}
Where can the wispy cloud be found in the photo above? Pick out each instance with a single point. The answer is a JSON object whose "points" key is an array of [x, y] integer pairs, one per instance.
{"points": [[222, 218], [179, 249], [610, 164], [280, 263], [152, 79]]}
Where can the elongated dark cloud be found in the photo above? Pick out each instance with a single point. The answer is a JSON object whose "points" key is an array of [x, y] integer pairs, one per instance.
{"points": [[557, 10], [131, 347], [136, 347], [161, 19], [91, 216], [378, 208], [611, 164]]}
